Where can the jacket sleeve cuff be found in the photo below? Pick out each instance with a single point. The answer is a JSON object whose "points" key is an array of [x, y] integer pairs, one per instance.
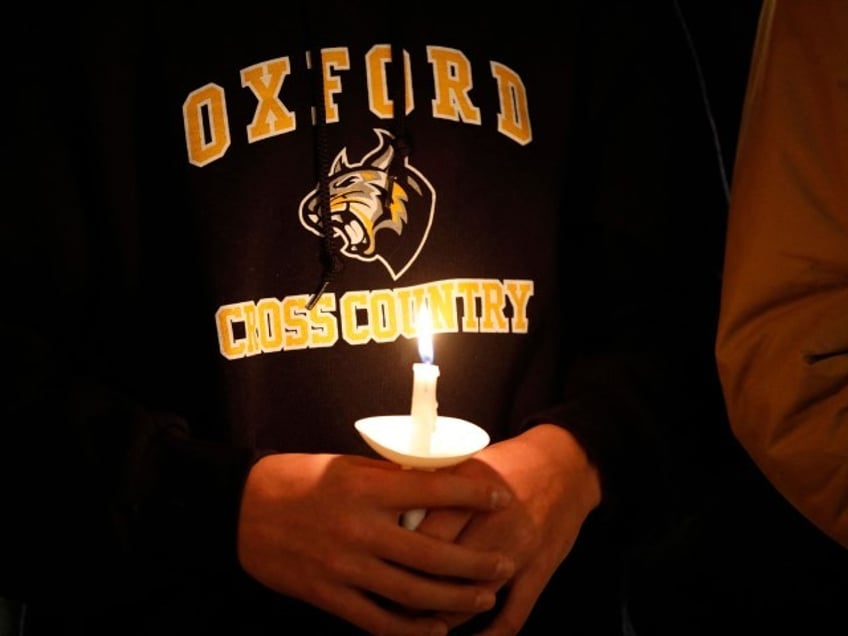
{"points": [[611, 411], [182, 501]]}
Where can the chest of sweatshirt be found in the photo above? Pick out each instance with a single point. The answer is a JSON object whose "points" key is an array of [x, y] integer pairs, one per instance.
{"points": [[227, 160]]}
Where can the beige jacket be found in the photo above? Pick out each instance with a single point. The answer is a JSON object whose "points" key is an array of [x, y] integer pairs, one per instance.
{"points": [[782, 345]]}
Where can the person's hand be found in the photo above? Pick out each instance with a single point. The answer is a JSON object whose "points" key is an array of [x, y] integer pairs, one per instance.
{"points": [[324, 529], [554, 488]]}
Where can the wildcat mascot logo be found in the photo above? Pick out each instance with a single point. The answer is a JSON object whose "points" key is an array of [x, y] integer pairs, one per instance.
{"points": [[360, 209]]}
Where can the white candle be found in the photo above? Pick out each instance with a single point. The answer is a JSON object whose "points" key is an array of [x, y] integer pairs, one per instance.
{"points": [[425, 375]]}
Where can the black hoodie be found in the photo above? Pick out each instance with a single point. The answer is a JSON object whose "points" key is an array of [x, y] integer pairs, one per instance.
{"points": [[557, 205]]}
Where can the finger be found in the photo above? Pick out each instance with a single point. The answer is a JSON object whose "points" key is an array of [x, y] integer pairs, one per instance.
{"points": [[412, 590], [454, 620], [443, 558], [521, 598], [441, 489], [363, 611], [444, 524]]}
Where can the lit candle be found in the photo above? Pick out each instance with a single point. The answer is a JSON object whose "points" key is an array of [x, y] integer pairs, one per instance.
{"points": [[425, 374]]}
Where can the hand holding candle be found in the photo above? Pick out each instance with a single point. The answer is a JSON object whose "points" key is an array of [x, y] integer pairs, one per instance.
{"points": [[423, 439]]}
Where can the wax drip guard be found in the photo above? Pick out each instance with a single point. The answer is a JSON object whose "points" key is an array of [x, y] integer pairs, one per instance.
{"points": [[453, 440]]}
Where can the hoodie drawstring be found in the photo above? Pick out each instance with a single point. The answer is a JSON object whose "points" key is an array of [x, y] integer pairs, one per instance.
{"points": [[331, 262]]}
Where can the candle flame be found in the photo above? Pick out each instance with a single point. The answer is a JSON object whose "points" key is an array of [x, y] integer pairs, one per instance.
{"points": [[425, 335]]}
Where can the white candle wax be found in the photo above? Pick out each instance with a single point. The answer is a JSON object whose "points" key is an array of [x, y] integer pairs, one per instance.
{"points": [[425, 373], [424, 406]]}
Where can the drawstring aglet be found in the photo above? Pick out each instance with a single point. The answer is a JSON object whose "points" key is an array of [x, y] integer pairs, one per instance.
{"points": [[317, 294]]}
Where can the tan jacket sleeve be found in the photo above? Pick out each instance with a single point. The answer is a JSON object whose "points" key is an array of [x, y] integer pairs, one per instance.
{"points": [[782, 346]]}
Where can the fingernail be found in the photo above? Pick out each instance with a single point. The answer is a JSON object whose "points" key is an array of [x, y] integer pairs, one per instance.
{"points": [[485, 600], [500, 499], [439, 629], [505, 568]]}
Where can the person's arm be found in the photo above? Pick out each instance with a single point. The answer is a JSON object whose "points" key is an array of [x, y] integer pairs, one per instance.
{"points": [[92, 478], [641, 252], [782, 345], [641, 270], [92, 481]]}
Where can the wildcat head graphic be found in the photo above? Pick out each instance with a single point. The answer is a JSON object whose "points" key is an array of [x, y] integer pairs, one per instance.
{"points": [[372, 226]]}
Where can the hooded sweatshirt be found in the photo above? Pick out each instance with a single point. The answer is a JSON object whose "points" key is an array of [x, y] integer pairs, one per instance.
{"points": [[548, 191]]}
